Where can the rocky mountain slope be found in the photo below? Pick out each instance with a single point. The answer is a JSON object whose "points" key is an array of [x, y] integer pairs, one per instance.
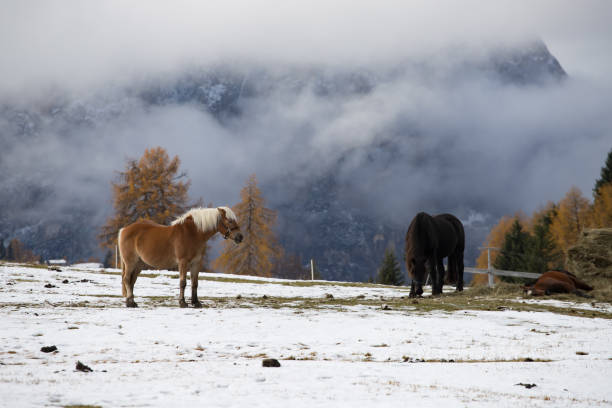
{"points": [[323, 212]]}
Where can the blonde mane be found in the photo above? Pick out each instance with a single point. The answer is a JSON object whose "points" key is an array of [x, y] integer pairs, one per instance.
{"points": [[206, 219]]}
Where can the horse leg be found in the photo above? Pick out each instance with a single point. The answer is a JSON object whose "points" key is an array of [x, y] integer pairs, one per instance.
{"points": [[129, 269], [440, 274], [195, 270], [135, 274], [412, 290], [123, 286], [434, 273], [182, 283], [459, 270], [416, 290]]}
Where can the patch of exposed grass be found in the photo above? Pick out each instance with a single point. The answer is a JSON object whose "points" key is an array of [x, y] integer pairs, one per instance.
{"points": [[305, 283], [252, 356], [446, 303], [28, 265], [100, 295], [501, 289], [602, 291], [141, 275], [82, 406], [514, 360], [158, 298]]}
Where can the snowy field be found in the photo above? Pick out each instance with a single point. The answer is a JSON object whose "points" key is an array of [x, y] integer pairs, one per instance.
{"points": [[337, 345]]}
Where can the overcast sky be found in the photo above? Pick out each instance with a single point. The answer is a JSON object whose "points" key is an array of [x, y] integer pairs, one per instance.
{"points": [[546, 139], [80, 42]]}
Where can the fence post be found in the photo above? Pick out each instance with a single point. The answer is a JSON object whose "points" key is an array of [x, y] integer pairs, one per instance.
{"points": [[489, 266], [311, 269], [490, 269]]}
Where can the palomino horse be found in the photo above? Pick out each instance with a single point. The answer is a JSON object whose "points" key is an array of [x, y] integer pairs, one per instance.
{"points": [[557, 282], [428, 240], [181, 244]]}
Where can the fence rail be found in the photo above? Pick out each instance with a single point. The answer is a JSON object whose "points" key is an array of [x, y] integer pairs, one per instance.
{"points": [[501, 272], [498, 272]]}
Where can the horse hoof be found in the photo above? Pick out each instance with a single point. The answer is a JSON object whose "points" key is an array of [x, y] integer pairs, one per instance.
{"points": [[197, 305], [130, 303], [182, 304]]}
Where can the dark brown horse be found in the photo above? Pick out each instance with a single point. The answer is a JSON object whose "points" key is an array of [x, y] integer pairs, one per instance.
{"points": [[557, 282], [429, 240], [181, 244]]}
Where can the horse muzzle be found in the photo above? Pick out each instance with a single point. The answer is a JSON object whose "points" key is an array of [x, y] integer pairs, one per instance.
{"points": [[238, 238]]}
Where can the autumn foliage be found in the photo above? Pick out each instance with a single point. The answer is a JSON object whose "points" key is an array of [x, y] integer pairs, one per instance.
{"points": [[572, 216], [259, 249], [17, 252], [150, 188], [550, 232]]}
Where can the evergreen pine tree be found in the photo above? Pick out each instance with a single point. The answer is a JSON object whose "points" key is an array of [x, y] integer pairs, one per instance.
{"points": [[259, 248], [2, 250], [606, 175], [10, 249], [109, 260], [316, 274], [390, 272], [542, 253], [601, 214], [290, 266], [150, 188], [513, 254], [495, 239]]}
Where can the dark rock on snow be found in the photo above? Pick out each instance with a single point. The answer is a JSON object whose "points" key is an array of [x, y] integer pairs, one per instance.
{"points": [[270, 362], [82, 367]]}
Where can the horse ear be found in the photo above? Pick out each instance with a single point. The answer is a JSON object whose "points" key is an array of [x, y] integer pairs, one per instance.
{"points": [[189, 218], [221, 210]]}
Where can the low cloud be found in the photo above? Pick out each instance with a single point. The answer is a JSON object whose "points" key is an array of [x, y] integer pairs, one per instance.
{"points": [[417, 132]]}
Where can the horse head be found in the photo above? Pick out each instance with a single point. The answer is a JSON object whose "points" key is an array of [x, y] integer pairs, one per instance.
{"points": [[416, 266], [228, 225]]}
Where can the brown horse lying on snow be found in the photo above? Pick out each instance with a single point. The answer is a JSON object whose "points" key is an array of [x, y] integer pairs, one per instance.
{"points": [[557, 282], [181, 244]]}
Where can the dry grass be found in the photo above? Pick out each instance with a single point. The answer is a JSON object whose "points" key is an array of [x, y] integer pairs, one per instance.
{"points": [[501, 289], [601, 293], [603, 289]]}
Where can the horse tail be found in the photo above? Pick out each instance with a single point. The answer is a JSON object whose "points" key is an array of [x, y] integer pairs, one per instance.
{"points": [[123, 289]]}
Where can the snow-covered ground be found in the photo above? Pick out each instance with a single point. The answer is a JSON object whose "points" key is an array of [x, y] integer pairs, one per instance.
{"points": [[346, 355]]}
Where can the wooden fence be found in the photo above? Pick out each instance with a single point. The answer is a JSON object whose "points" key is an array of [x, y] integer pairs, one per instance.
{"points": [[498, 272]]}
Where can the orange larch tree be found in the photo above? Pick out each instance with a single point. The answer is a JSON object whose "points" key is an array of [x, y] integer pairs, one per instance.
{"points": [[150, 188], [17, 252], [573, 214], [259, 249]]}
